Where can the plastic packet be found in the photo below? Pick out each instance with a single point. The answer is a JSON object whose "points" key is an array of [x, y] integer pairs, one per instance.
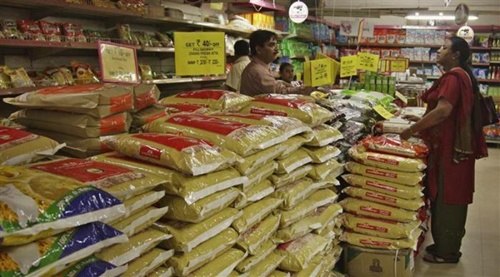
{"points": [[216, 100]]}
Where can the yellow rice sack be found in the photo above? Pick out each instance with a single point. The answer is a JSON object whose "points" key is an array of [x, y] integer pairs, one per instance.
{"points": [[18, 147], [147, 115], [316, 220], [385, 187], [288, 105], [139, 221], [291, 145], [255, 194], [185, 263], [32, 207], [412, 204], [386, 161], [241, 138], [259, 176], [265, 267], [288, 125], [137, 245], [280, 180], [142, 201], [328, 182], [261, 253], [322, 154], [379, 228], [300, 252], [91, 267], [322, 135], [367, 208], [404, 178], [255, 213], [314, 268], [186, 236], [330, 258], [382, 243], [215, 99], [256, 161], [295, 192], [199, 210], [190, 188], [148, 262], [222, 265], [321, 171], [95, 99], [292, 162], [187, 155], [185, 108], [278, 273], [162, 272], [119, 181], [252, 239]]}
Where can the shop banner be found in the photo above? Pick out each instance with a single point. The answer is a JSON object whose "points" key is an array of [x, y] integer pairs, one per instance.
{"points": [[199, 53], [348, 66], [368, 61], [118, 63]]}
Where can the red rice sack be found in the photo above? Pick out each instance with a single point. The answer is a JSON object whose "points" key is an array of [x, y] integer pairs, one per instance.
{"points": [[392, 144], [145, 95], [215, 99]]}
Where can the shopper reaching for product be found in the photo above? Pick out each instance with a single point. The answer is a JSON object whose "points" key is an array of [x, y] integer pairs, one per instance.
{"points": [[454, 145]]}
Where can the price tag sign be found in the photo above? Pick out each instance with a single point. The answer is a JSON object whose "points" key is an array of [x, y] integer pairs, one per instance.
{"points": [[383, 112], [348, 66], [118, 63], [321, 72], [394, 64], [199, 53], [401, 97], [368, 61]]}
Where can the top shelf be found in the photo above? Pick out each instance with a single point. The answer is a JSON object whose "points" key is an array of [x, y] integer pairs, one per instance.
{"points": [[256, 4]]}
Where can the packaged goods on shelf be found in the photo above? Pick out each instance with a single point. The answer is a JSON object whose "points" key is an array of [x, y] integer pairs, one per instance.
{"points": [[392, 144], [385, 187], [254, 162], [371, 209], [28, 187], [216, 100], [222, 265], [16, 78], [386, 161], [92, 267], [291, 145], [255, 213], [139, 221], [287, 165], [259, 176], [162, 272], [68, 247], [280, 180], [145, 95], [300, 252], [266, 249], [379, 228], [322, 154], [412, 204], [293, 193], [148, 262], [322, 135], [382, 243], [252, 239], [256, 193], [265, 267], [321, 171], [19, 147]]}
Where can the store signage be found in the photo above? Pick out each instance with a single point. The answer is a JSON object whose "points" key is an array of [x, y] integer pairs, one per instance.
{"points": [[199, 53], [118, 63], [368, 61], [321, 72], [394, 64], [400, 96], [298, 12], [383, 112], [466, 33], [348, 66]]}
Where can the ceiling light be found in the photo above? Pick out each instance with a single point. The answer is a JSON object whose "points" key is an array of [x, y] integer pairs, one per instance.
{"points": [[436, 17], [441, 14], [417, 13]]}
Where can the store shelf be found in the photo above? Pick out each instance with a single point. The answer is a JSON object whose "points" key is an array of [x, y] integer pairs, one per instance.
{"points": [[256, 4], [480, 64], [433, 77], [494, 62], [300, 57], [423, 62], [495, 48], [494, 81], [493, 141], [158, 49], [480, 48], [186, 80]]}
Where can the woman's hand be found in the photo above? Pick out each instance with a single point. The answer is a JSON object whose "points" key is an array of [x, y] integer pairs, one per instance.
{"points": [[406, 134], [411, 117]]}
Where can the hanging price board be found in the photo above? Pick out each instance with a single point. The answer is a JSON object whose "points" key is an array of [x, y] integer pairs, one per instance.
{"points": [[368, 61], [348, 66], [199, 53], [321, 72], [118, 63], [394, 64]]}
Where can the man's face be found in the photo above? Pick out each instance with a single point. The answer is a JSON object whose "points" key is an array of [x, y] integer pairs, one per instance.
{"points": [[269, 52]]}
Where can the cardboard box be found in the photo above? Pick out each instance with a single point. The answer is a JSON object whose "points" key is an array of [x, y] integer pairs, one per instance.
{"points": [[366, 262]]}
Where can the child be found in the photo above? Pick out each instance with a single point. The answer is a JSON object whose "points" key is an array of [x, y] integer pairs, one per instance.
{"points": [[287, 75]]}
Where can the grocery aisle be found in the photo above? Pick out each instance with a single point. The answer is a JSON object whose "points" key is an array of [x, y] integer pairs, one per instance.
{"points": [[481, 245]]}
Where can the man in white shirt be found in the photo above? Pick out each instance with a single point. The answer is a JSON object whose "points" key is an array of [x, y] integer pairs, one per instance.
{"points": [[241, 52]]}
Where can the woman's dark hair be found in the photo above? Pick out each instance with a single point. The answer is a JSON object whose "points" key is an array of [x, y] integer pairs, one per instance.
{"points": [[285, 65], [241, 48], [460, 45], [259, 38]]}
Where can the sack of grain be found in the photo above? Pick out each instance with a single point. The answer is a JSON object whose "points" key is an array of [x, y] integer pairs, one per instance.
{"points": [[145, 95], [412, 204], [147, 115], [300, 252], [261, 253], [377, 227], [322, 154], [367, 208], [291, 145], [215, 99], [281, 180], [185, 154], [253, 195], [252, 239], [255, 213], [162, 272], [295, 192], [321, 171], [92, 267], [403, 178], [256, 161], [393, 189], [184, 108], [265, 267], [222, 265], [148, 262], [322, 135], [386, 161], [241, 138], [392, 144], [141, 201], [19, 147], [259, 176], [292, 162], [139, 221], [382, 243]]}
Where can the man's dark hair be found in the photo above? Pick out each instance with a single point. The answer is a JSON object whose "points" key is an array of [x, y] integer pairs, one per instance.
{"points": [[259, 38], [241, 48]]}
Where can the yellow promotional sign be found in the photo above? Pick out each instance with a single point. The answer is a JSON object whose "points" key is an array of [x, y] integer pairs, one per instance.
{"points": [[394, 64], [368, 61], [199, 53], [118, 63], [348, 66], [321, 72], [383, 112], [401, 97]]}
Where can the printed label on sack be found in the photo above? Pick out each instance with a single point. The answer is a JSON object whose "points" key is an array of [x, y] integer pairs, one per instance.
{"points": [[71, 89], [375, 243], [382, 173], [375, 210], [380, 186], [382, 160], [176, 142], [177, 108], [98, 174], [145, 100], [121, 103], [202, 94], [295, 246], [210, 124], [11, 137], [372, 227], [267, 112], [155, 116], [291, 103], [381, 197], [113, 124]]}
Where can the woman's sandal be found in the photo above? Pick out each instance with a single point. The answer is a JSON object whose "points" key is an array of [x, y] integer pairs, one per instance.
{"points": [[435, 259]]}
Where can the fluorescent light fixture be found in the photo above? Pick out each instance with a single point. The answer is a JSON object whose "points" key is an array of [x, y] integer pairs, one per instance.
{"points": [[436, 17]]}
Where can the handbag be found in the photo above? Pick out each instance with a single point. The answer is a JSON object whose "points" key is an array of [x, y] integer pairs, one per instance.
{"points": [[488, 111]]}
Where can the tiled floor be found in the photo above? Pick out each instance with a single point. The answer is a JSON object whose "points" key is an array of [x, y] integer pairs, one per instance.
{"points": [[481, 244]]}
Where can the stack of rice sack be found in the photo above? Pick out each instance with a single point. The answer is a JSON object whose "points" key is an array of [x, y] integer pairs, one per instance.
{"points": [[146, 107], [78, 116], [136, 189], [49, 223], [385, 193], [304, 174]]}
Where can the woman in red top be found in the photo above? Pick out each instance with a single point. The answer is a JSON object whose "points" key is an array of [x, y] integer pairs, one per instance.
{"points": [[454, 143]]}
